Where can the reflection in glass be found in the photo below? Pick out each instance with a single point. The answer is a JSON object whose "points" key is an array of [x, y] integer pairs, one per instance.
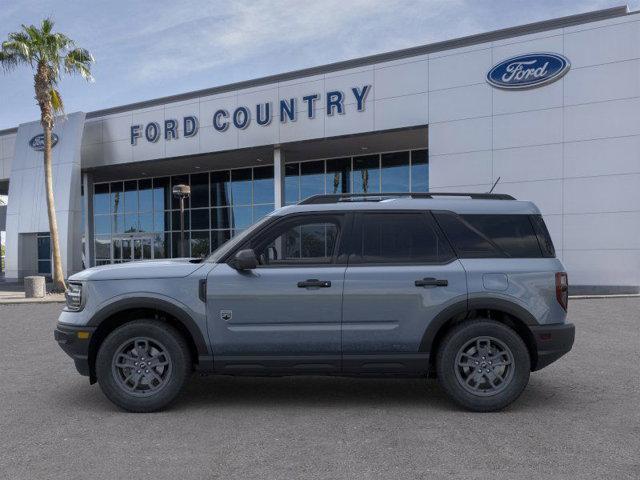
{"points": [[200, 219], [102, 247], [179, 180], [292, 183], [199, 244], [130, 196], [311, 179], [263, 185], [161, 194], [101, 199], [241, 186], [218, 237], [220, 218], [338, 178], [220, 189], [200, 190], [395, 172], [131, 222], [117, 248], [145, 222], [260, 211], [102, 224], [161, 221], [160, 245], [145, 195], [242, 217], [175, 220], [118, 223], [366, 174], [117, 190], [420, 171]]}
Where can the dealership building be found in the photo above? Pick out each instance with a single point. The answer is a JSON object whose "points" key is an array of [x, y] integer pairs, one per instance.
{"points": [[551, 109]]}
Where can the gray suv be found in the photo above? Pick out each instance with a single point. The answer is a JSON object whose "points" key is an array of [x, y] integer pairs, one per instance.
{"points": [[462, 287]]}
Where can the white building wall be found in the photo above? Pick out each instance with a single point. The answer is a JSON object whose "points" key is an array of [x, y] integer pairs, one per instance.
{"points": [[572, 146]]}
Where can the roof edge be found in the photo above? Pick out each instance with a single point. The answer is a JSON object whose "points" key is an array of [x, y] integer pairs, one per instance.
{"points": [[494, 35]]}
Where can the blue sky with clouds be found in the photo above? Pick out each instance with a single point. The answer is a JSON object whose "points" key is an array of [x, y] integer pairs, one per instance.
{"points": [[145, 50]]}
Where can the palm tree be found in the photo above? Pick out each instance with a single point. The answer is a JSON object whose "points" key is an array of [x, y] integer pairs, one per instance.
{"points": [[47, 53]]}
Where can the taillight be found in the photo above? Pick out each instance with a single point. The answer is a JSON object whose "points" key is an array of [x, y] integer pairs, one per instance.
{"points": [[562, 289]]}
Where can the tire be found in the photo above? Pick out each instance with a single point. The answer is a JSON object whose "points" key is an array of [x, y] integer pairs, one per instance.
{"points": [[502, 360], [140, 383]]}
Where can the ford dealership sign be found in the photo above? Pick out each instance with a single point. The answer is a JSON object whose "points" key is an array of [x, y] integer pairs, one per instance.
{"points": [[37, 142], [528, 71]]}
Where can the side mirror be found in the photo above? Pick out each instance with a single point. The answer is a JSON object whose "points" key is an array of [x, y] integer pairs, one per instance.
{"points": [[245, 260]]}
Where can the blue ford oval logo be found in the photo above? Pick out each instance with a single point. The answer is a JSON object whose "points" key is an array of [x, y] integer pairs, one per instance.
{"points": [[528, 71], [37, 142]]}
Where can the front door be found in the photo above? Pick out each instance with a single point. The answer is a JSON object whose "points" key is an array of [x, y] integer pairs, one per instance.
{"points": [[127, 248], [283, 316], [401, 274]]}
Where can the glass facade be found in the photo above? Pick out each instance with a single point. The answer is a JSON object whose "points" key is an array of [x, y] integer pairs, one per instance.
{"points": [[44, 253], [140, 219], [406, 171]]}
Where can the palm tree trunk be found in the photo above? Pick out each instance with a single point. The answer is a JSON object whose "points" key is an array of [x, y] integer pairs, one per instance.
{"points": [[58, 277]]}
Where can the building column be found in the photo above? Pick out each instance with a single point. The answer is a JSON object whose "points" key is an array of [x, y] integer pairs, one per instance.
{"points": [[87, 186], [278, 177]]}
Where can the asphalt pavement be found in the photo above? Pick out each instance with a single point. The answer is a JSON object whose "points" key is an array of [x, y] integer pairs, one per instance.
{"points": [[578, 418]]}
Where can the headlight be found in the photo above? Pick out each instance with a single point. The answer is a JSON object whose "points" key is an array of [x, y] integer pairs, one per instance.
{"points": [[74, 297]]}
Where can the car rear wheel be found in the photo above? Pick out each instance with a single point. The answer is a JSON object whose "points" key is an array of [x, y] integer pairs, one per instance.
{"points": [[483, 365], [143, 365]]}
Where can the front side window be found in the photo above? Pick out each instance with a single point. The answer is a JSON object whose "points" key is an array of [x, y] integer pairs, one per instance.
{"points": [[299, 242], [397, 237]]}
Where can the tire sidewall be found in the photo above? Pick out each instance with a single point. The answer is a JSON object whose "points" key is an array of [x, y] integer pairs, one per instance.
{"points": [[176, 349], [446, 364]]}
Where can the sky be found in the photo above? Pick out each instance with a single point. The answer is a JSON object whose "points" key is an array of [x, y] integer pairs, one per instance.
{"points": [[145, 50]]}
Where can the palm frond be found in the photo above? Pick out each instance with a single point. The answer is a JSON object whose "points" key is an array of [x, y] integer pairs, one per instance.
{"points": [[56, 101], [79, 60]]}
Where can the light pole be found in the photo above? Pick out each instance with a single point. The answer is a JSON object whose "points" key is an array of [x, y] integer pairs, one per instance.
{"points": [[181, 192]]}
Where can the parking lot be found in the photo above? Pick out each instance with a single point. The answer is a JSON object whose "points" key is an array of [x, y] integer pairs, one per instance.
{"points": [[579, 418]]}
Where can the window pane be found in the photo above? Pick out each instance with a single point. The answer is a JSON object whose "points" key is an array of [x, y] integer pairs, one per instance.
{"points": [[220, 218], [401, 237], [101, 198], [127, 245], [200, 190], [241, 186], [44, 247], [200, 219], [303, 243], [117, 248], [263, 185], [311, 179], [102, 224], [469, 243], [420, 171], [292, 183], [131, 222], [145, 222], [161, 245], [219, 237], [103, 247], [145, 195], [161, 221], [338, 179], [242, 217], [175, 220], [161, 194], [131, 196], [395, 172], [366, 174], [117, 223], [117, 190], [513, 234], [175, 245], [199, 244], [44, 266], [179, 180], [260, 211], [220, 189]]}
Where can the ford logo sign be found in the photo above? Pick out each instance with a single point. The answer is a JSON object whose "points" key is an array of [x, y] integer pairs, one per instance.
{"points": [[37, 142], [528, 71]]}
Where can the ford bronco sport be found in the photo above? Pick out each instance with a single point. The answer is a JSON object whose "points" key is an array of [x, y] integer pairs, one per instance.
{"points": [[463, 287]]}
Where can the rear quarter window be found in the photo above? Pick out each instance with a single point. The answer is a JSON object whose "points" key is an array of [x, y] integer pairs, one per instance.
{"points": [[494, 236]]}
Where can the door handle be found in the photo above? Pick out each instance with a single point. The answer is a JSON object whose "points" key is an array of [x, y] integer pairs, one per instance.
{"points": [[431, 282], [312, 282]]}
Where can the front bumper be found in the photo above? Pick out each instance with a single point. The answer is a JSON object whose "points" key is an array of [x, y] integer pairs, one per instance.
{"points": [[552, 342], [75, 342]]}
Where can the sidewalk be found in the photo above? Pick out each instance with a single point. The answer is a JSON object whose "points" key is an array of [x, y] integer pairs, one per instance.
{"points": [[13, 294]]}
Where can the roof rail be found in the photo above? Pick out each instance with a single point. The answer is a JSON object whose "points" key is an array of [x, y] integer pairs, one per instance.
{"points": [[377, 197]]}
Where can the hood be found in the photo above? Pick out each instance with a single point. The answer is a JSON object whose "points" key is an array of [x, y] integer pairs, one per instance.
{"points": [[176, 268]]}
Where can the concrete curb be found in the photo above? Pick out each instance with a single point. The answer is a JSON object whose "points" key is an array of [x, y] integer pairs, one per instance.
{"points": [[57, 298]]}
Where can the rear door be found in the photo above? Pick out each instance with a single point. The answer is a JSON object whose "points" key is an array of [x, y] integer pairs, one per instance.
{"points": [[401, 274]]}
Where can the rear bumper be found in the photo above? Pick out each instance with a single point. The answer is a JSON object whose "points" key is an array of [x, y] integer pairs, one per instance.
{"points": [[74, 345], [552, 342]]}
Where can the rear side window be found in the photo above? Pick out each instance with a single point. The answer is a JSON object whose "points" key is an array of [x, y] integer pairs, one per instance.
{"points": [[494, 236], [544, 239], [398, 237]]}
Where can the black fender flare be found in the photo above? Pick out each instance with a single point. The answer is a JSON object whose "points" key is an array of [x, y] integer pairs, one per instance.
{"points": [[465, 306], [155, 303]]}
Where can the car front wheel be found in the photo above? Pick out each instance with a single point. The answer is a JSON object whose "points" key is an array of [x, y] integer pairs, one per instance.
{"points": [[143, 365], [483, 365]]}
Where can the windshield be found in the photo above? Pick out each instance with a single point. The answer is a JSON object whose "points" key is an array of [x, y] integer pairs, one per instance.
{"points": [[230, 244]]}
